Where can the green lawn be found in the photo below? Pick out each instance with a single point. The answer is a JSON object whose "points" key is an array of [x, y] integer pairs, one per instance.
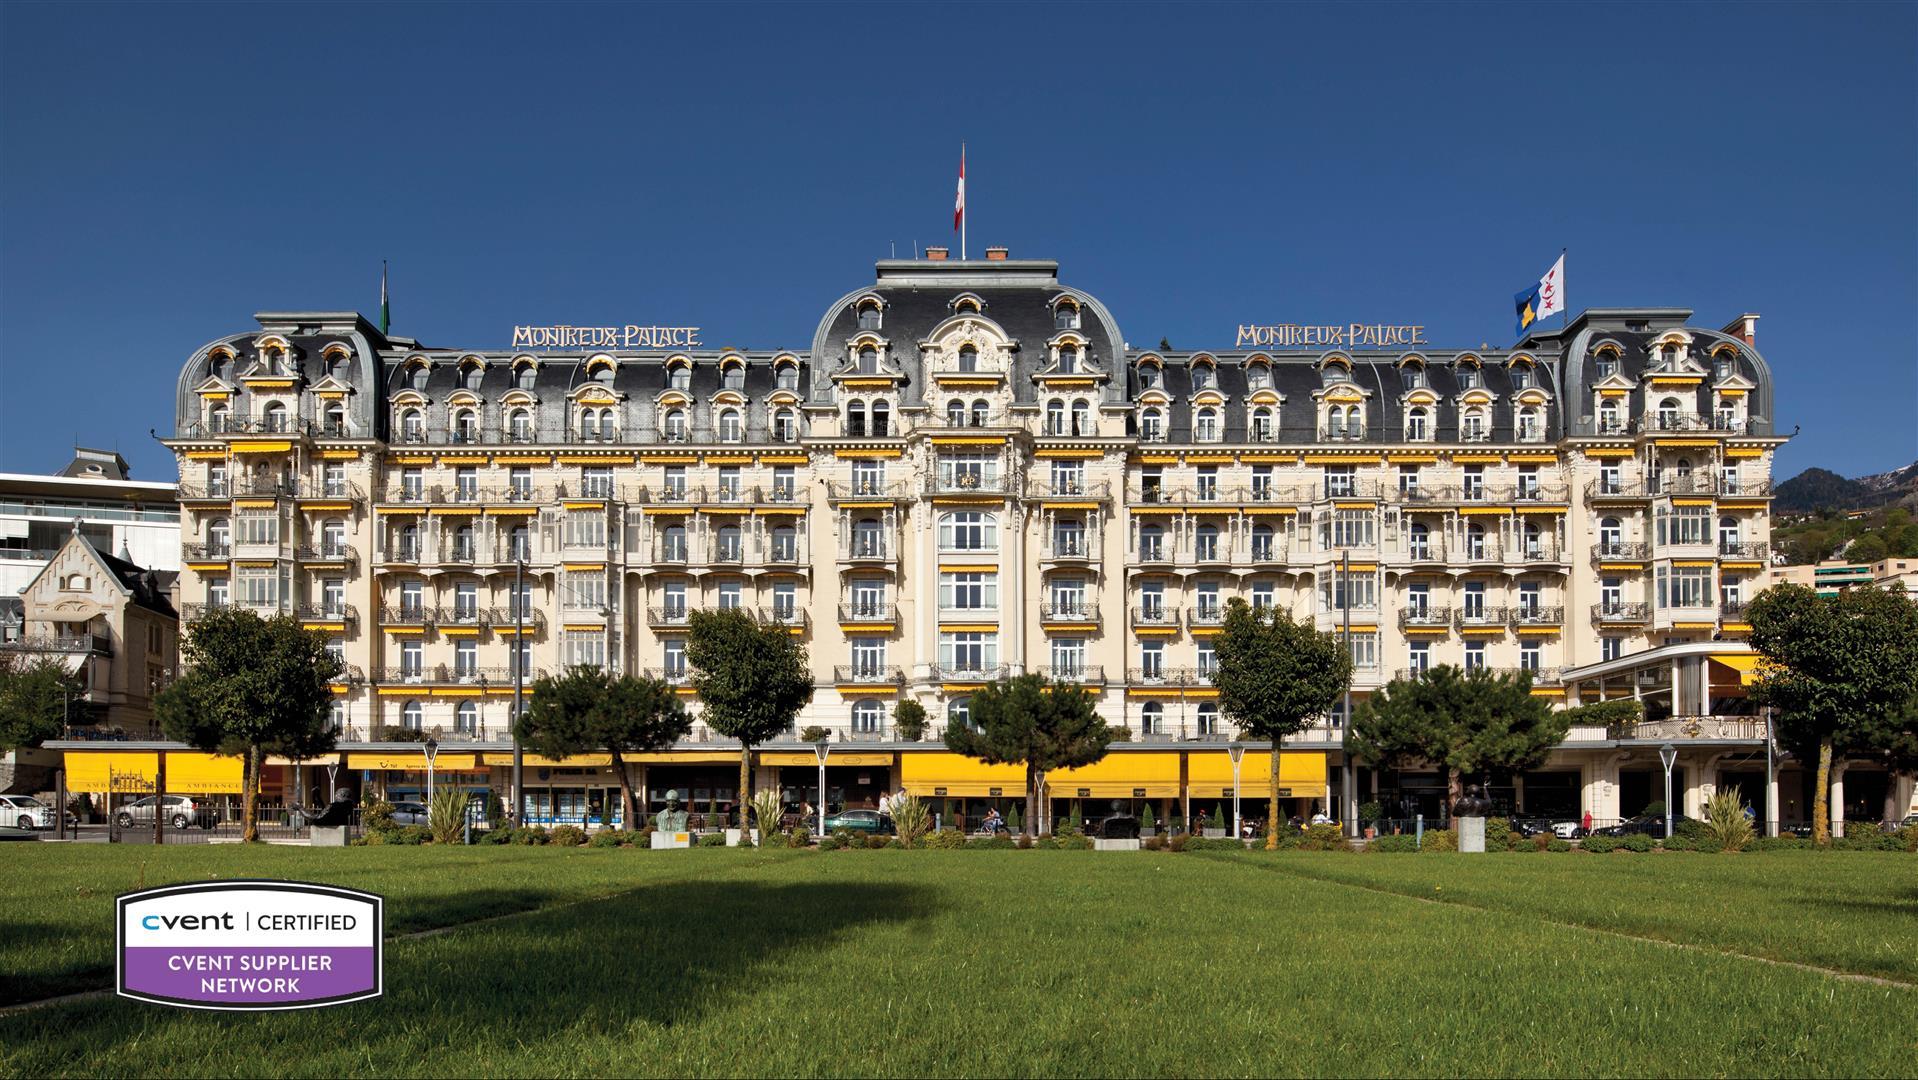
{"points": [[1019, 963]]}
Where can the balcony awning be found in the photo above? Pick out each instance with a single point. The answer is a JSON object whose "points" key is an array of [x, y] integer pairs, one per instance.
{"points": [[1746, 664]]}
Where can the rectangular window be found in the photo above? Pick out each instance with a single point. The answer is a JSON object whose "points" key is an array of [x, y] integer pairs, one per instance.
{"points": [[1341, 481], [259, 587], [1529, 656], [412, 660], [1685, 525], [1208, 598], [1474, 599], [969, 591], [1358, 590], [869, 656], [1262, 595], [1208, 483], [583, 647], [784, 483], [584, 590], [1475, 483], [1262, 483], [1152, 601], [596, 481], [968, 530], [969, 472], [253, 528], [785, 600], [968, 651], [1068, 657], [519, 482], [729, 596], [466, 658], [1346, 528], [412, 485], [728, 483], [1068, 596], [586, 528], [1474, 655], [1068, 477], [466, 600], [466, 484], [1684, 586], [868, 477], [1152, 659], [1365, 651], [1421, 657], [1611, 648]]}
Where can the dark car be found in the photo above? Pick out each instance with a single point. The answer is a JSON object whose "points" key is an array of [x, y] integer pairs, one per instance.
{"points": [[1646, 824], [1529, 827], [861, 821]]}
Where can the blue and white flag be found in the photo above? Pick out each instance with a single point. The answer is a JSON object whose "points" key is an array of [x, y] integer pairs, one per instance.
{"points": [[1545, 298]]}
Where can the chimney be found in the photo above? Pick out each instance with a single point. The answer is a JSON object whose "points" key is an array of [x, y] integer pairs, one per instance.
{"points": [[936, 254], [996, 254], [1744, 328]]}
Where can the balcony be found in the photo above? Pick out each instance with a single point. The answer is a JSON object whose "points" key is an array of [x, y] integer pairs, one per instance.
{"points": [[1160, 552], [512, 618], [1534, 553], [671, 495], [1083, 674], [61, 644], [1212, 614], [1751, 489], [1621, 552], [1539, 492], [350, 675], [206, 552], [1621, 614], [1077, 488], [409, 615], [864, 490], [1488, 551], [672, 554], [341, 613], [1734, 610], [968, 673], [967, 484], [1679, 728], [1348, 487], [446, 675], [1068, 547], [1161, 676], [868, 675], [1157, 495], [669, 615], [866, 549], [1749, 551], [1068, 610], [1480, 617], [464, 495], [1624, 487], [869, 612], [1425, 615], [1156, 615], [1536, 615], [1429, 552], [680, 675], [466, 615], [328, 553], [794, 618]]}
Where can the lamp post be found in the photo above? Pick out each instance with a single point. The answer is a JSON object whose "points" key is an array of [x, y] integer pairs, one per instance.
{"points": [[1237, 750], [1669, 755], [432, 747], [822, 748], [519, 681]]}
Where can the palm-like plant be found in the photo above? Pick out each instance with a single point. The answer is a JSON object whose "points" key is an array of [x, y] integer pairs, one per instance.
{"points": [[1725, 820], [767, 809], [446, 815], [912, 818]]}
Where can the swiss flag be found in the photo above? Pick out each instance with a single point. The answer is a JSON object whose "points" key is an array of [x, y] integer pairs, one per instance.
{"points": [[959, 200]]}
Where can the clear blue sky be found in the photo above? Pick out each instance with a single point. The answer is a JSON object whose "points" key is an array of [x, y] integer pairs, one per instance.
{"points": [[166, 171]]}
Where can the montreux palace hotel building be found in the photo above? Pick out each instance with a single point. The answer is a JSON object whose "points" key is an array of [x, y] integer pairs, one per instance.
{"points": [[968, 473]]}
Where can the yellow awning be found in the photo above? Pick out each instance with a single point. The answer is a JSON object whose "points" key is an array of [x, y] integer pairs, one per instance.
{"points": [[1119, 775], [535, 761], [807, 757], [408, 761], [1746, 664], [188, 772], [1301, 774], [937, 774]]}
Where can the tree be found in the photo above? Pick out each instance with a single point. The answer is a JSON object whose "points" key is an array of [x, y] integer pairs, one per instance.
{"points": [[1841, 676], [252, 687], [587, 709], [34, 701], [909, 720], [752, 678], [1467, 723], [1275, 676], [1028, 721]]}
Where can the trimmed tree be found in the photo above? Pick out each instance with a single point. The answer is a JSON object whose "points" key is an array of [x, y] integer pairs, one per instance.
{"points": [[34, 699], [752, 678], [252, 687], [1467, 723], [588, 709], [1275, 676], [1028, 721], [1841, 676], [909, 720]]}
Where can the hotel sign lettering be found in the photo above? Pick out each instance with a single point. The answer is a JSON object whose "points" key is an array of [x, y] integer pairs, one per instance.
{"points": [[606, 337], [1348, 336]]}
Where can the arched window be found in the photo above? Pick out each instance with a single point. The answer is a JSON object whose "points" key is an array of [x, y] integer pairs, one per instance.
{"points": [[1668, 414], [1684, 468], [470, 376], [1728, 535], [1065, 316], [589, 424], [463, 550], [1471, 426], [955, 413], [1721, 366], [1475, 541], [219, 536], [1608, 417], [855, 417], [1417, 424], [603, 374], [417, 376], [679, 375], [524, 374], [1152, 543], [1521, 376], [334, 419], [733, 378], [1081, 417], [1262, 537], [1610, 535], [1202, 377], [729, 425], [1412, 376], [868, 360], [1419, 540], [866, 716], [1468, 377], [674, 425], [520, 423], [959, 713], [968, 358], [870, 315], [412, 426], [1334, 373], [216, 365], [466, 719], [1055, 417], [868, 541], [786, 376], [1260, 425], [1205, 542], [332, 538], [1068, 358], [1208, 718], [881, 418], [1354, 422], [785, 544], [1528, 424], [1335, 422], [980, 411], [1607, 364], [1206, 425], [1534, 541], [1258, 377], [216, 418], [412, 716], [729, 544], [465, 426], [674, 549], [1152, 718], [275, 416], [1152, 425], [785, 426], [968, 530], [1149, 376]]}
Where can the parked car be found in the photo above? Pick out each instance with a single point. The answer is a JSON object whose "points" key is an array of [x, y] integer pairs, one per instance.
{"points": [[409, 813], [22, 812], [865, 821], [1652, 825], [180, 812], [1529, 827], [1568, 830]]}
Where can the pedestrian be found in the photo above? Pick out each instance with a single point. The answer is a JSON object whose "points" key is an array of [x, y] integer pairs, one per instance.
{"points": [[1585, 823]]}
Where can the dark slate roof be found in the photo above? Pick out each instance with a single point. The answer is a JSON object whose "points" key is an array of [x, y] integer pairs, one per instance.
{"points": [[148, 588], [96, 465]]}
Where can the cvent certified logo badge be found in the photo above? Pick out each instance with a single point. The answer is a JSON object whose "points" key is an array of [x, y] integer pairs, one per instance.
{"points": [[250, 945]]}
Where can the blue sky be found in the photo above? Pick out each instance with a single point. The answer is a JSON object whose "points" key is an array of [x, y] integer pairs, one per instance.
{"points": [[166, 171]]}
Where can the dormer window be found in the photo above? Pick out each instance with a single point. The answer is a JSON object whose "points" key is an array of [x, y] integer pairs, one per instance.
{"points": [[603, 374], [969, 304], [1468, 378], [471, 375], [870, 317], [1152, 426], [1081, 418], [729, 425], [1068, 358], [1608, 418], [968, 358], [465, 426], [412, 426], [868, 360], [520, 423], [1206, 425], [334, 419], [1258, 377], [1149, 376], [1055, 417], [1411, 377], [524, 374], [1521, 376], [786, 377], [955, 413], [674, 425], [734, 377], [1418, 427], [1471, 426], [1065, 316], [1202, 377], [1668, 414], [1260, 425], [1721, 367], [1607, 364], [1530, 424], [417, 376], [679, 376]]}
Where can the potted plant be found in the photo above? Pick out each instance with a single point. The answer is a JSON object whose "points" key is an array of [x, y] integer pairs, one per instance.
{"points": [[1370, 813]]}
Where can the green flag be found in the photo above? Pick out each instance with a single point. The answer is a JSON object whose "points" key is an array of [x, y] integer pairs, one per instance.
{"points": [[386, 310]]}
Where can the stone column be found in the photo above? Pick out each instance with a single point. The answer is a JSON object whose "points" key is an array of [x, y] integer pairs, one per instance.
{"points": [[1837, 800]]}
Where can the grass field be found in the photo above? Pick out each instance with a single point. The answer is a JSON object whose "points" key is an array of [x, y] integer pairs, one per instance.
{"points": [[1018, 963]]}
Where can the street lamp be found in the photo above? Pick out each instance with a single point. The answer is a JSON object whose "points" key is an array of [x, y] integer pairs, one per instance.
{"points": [[1237, 750], [822, 748], [1668, 754], [432, 751]]}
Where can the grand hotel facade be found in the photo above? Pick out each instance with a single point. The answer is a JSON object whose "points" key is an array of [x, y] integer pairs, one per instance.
{"points": [[968, 472]]}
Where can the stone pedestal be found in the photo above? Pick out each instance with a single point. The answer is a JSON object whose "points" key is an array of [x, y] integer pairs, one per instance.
{"points": [[663, 839], [1100, 843], [326, 836], [1471, 834]]}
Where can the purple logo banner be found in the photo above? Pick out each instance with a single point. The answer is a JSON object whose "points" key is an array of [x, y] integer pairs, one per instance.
{"points": [[250, 945]]}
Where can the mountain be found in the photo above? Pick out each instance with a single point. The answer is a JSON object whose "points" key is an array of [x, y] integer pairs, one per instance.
{"points": [[1821, 489]]}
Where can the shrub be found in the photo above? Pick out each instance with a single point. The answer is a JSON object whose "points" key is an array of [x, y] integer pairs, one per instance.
{"points": [[1908, 837], [946, 840], [1074, 820], [1726, 824], [909, 720], [1599, 845], [500, 835], [829, 843], [411, 834], [1022, 842], [814, 734], [1556, 844], [1370, 811], [1691, 829], [1439, 840], [377, 816], [992, 843], [1154, 842], [912, 818], [1148, 824], [1013, 824], [1393, 844], [1655, 808], [446, 815], [1072, 840], [1178, 842], [567, 836], [606, 838], [1499, 835], [1866, 836], [711, 839], [1319, 838], [1638, 842], [797, 837], [531, 835], [894, 843]]}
